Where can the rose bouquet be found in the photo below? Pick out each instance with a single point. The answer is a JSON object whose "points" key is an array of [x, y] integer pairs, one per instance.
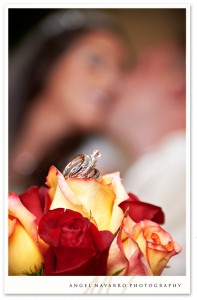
{"points": [[86, 226]]}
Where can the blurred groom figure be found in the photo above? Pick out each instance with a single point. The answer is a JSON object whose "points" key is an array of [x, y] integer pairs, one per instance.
{"points": [[149, 123]]}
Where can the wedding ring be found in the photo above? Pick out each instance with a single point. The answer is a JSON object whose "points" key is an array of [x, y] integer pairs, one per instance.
{"points": [[83, 166]]}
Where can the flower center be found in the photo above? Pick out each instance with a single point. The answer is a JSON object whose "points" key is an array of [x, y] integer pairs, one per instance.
{"points": [[155, 239]]}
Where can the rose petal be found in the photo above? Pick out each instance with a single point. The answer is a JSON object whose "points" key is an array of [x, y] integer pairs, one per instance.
{"points": [[94, 196], [72, 262], [106, 237], [68, 255], [177, 247], [139, 210], [24, 254], [72, 258], [133, 197], [64, 196], [43, 246], [51, 181], [117, 260], [48, 223], [86, 197], [156, 244], [11, 226], [138, 264], [49, 262], [159, 259], [120, 195], [54, 235], [45, 198], [125, 255], [36, 200], [18, 210], [60, 201]]}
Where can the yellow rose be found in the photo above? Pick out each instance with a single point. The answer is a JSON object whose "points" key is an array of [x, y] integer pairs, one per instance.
{"points": [[23, 251], [96, 200]]}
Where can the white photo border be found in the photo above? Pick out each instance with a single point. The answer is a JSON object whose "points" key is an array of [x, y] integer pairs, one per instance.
{"points": [[102, 284]]}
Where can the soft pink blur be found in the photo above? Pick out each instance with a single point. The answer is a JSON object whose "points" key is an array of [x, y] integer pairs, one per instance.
{"points": [[153, 99]]}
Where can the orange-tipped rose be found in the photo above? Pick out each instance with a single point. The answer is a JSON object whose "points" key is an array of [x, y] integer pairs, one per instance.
{"points": [[141, 249], [156, 244]]}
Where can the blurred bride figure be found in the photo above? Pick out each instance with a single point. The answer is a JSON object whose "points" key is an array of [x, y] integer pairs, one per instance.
{"points": [[149, 123], [63, 82]]}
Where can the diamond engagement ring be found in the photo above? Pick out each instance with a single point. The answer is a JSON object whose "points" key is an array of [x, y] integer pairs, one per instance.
{"points": [[83, 166]]}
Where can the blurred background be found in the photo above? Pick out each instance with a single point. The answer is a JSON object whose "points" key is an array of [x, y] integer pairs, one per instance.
{"points": [[144, 27], [106, 79]]}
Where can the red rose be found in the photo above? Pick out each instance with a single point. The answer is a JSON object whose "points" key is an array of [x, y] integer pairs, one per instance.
{"points": [[36, 200], [76, 246], [139, 211]]}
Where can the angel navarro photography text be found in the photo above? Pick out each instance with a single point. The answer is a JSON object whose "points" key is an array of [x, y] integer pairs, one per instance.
{"points": [[124, 285]]}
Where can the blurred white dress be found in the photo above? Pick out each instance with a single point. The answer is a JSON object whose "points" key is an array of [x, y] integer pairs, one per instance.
{"points": [[159, 178]]}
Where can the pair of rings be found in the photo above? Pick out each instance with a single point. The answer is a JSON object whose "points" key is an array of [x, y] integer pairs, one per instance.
{"points": [[83, 166]]}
